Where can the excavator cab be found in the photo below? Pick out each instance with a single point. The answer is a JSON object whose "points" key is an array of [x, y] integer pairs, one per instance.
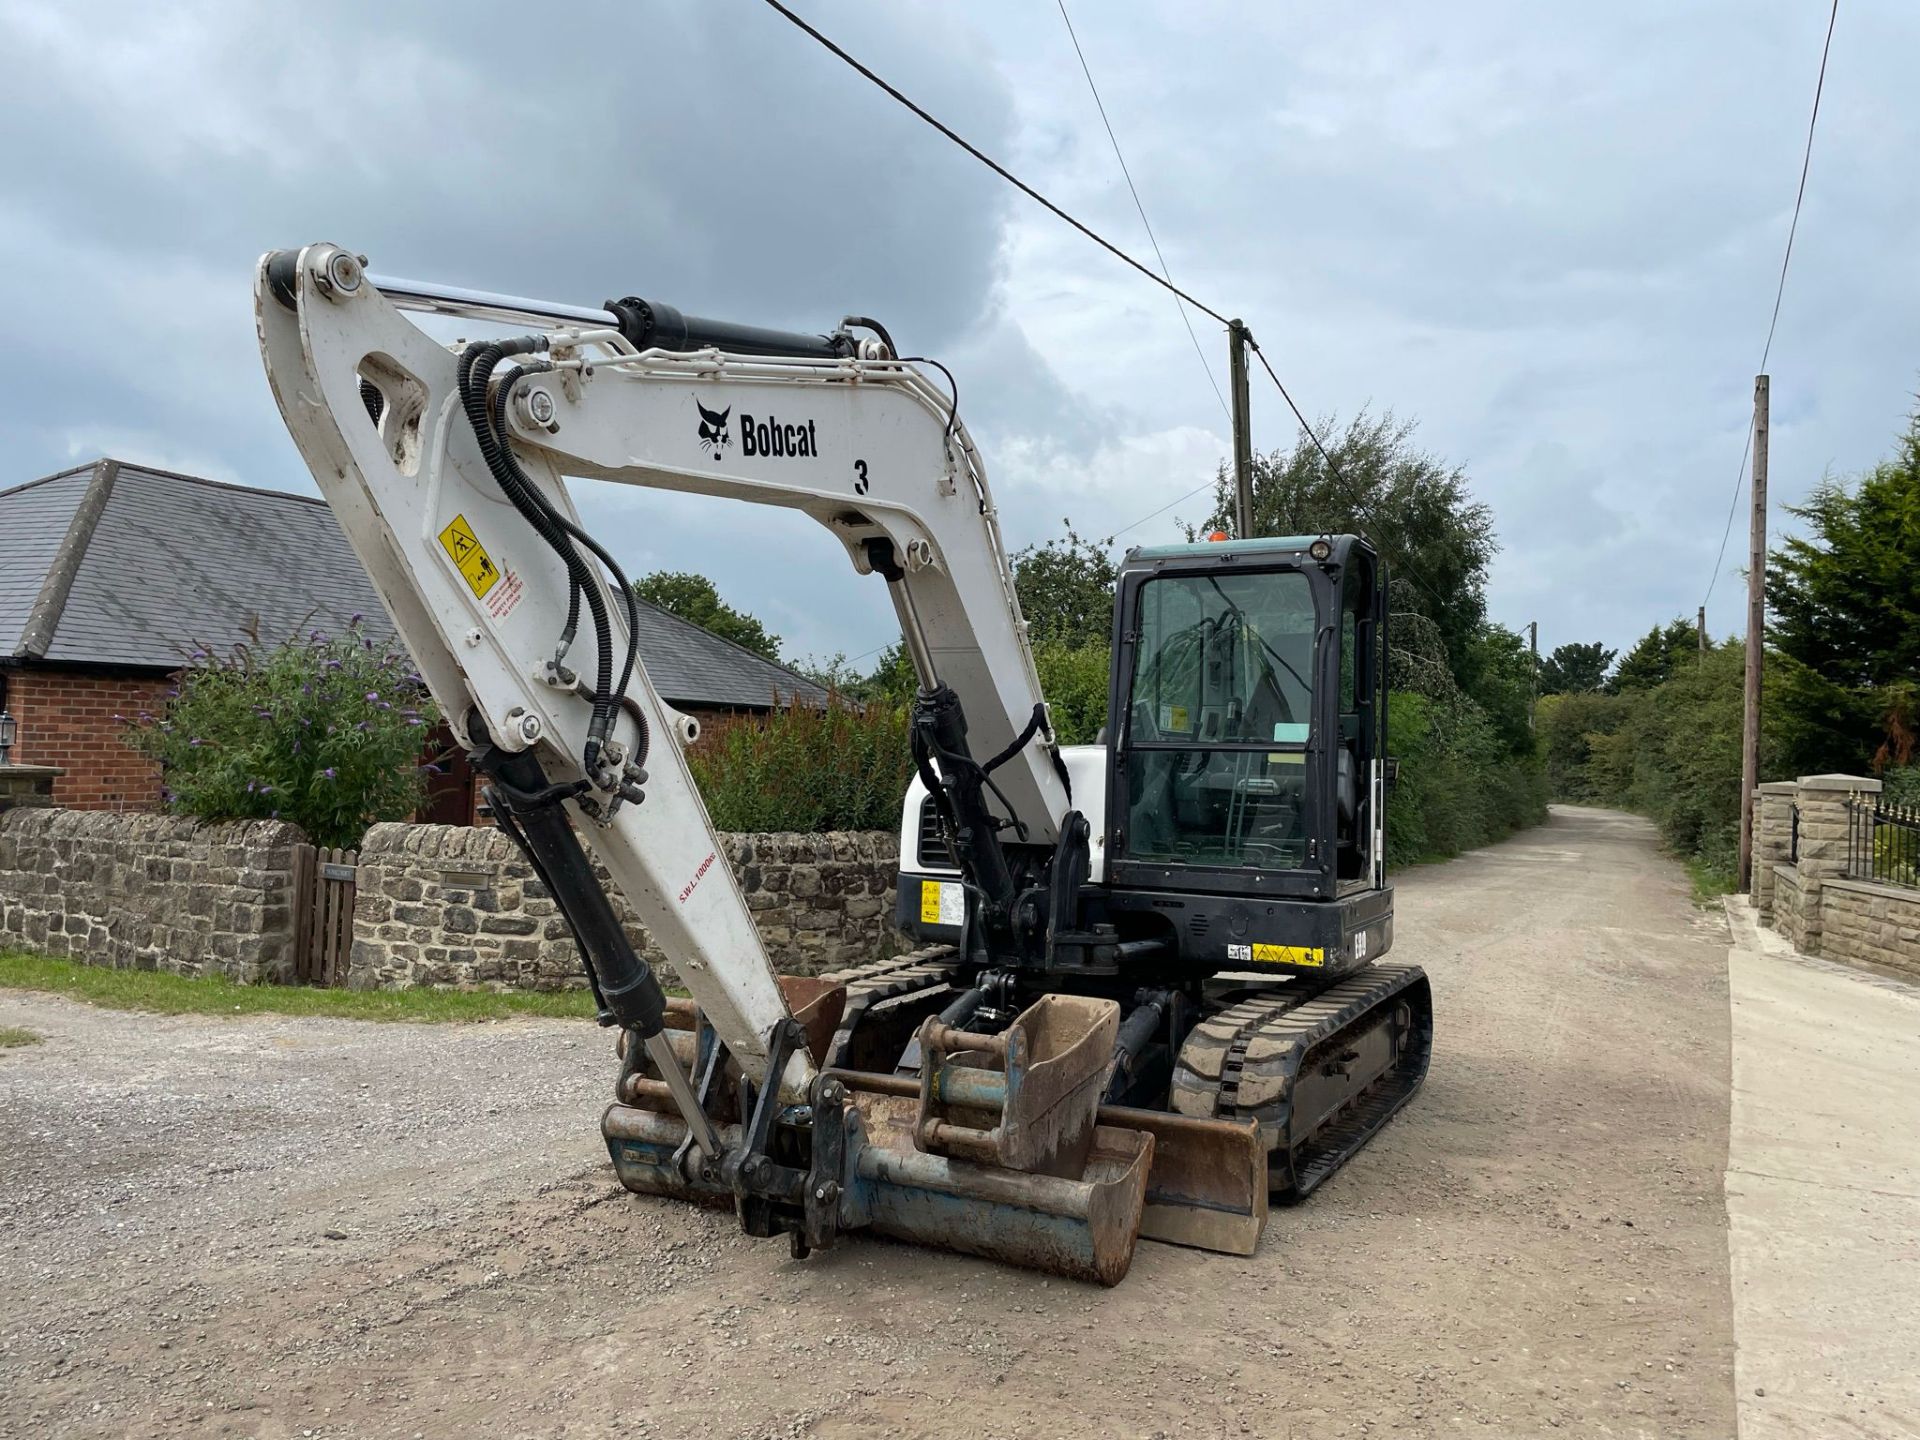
{"points": [[1236, 803], [1246, 765]]}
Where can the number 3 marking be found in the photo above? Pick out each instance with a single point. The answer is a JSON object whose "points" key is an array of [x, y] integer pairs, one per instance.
{"points": [[860, 470]]}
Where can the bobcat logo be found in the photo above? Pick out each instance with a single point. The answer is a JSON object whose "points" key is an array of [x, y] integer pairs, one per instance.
{"points": [[713, 429]]}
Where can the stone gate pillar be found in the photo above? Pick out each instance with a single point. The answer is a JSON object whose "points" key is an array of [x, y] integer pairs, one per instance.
{"points": [[1823, 841]]}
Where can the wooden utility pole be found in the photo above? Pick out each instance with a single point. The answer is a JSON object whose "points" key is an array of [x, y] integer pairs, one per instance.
{"points": [[1700, 630], [1237, 337], [1756, 631], [1533, 647]]}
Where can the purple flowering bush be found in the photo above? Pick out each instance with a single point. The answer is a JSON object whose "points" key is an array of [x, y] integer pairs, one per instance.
{"points": [[325, 731]]}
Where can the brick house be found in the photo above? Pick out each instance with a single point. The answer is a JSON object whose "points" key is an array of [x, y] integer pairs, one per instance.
{"points": [[111, 574]]}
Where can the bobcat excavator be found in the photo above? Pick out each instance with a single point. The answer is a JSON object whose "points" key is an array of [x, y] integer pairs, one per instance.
{"points": [[1148, 995]]}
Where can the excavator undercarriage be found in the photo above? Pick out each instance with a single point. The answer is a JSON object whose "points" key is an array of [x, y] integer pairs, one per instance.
{"points": [[1275, 1087]]}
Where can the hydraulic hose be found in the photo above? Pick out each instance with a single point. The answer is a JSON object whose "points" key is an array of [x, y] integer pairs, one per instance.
{"points": [[467, 357], [628, 598], [519, 490]]}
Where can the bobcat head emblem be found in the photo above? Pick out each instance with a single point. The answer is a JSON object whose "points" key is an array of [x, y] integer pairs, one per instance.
{"points": [[713, 429]]}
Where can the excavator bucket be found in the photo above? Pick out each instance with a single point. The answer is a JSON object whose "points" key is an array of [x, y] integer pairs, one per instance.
{"points": [[1000, 1148]]}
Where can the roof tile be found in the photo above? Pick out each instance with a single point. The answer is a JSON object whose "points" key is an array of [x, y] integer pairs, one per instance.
{"points": [[178, 562]]}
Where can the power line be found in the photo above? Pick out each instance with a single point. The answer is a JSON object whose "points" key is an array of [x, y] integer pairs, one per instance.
{"points": [[1780, 289], [1164, 508], [995, 166], [1335, 469], [1733, 506], [1806, 162], [1164, 282], [1152, 239]]}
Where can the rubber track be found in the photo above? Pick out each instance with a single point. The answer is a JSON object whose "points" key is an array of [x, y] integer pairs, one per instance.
{"points": [[922, 966], [869, 985], [1242, 1062]]}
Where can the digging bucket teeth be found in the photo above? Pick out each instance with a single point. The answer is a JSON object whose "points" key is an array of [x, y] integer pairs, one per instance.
{"points": [[1000, 1148]]}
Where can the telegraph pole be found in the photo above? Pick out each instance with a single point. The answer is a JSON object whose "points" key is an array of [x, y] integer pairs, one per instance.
{"points": [[1756, 630], [1533, 645], [1700, 630], [1237, 337]]}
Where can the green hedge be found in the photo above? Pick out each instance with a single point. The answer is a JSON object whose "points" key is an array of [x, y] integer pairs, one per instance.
{"points": [[806, 770], [1459, 786], [1074, 680]]}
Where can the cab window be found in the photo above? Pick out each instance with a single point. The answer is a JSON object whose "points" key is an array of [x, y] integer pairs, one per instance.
{"points": [[1219, 707]]}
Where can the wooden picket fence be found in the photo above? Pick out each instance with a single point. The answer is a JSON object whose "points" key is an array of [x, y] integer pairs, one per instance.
{"points": [[323, 889]]}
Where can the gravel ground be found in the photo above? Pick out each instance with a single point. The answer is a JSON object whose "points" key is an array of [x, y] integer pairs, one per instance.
{"points": [[276, 1227]]}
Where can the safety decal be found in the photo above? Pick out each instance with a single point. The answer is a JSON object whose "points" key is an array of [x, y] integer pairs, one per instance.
{"points": [[942, 903], [470, 556], [1289, 955]]}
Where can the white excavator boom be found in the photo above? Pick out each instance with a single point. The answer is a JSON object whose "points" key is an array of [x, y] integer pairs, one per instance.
{"points": [[863, 443]]}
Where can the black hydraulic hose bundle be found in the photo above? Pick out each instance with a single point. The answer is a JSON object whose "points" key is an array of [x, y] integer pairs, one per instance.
{"points": [[625, 587], [476, 368]]}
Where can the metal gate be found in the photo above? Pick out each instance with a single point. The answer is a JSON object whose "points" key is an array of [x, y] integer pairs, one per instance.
{"points": [[323, 889]]}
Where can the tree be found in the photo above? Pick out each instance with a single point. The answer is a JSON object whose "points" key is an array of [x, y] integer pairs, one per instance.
{"points": [[1066, 589], [891, 680], [326, 732], [1657, 658], [1574, 668], [693, 598], [1846, 617], [1571, 723], [1498, 677], [1437, 539]]}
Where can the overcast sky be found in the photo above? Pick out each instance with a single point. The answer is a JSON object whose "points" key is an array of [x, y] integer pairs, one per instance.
{"points": [[1549, 233]]}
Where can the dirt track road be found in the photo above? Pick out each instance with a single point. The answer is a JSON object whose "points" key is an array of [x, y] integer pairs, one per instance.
{"points": [[270, 1227]]}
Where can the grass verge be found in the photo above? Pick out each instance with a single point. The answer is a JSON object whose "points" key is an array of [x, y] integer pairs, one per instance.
{"points": [[12, 1036], [162, 994], [1710, 880]]}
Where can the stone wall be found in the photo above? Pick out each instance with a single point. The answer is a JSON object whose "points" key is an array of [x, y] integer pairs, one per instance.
{"points": [[1812, 901], [1785, 916], [1871, 924], [1772, 840], [150, 892], [456, 905]]}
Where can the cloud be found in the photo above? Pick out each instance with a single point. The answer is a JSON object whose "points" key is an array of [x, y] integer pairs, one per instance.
{"points": [[1549, 235]]}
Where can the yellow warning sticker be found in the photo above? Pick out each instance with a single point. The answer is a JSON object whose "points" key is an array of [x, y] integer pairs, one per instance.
{"points": [[1289, 955], [470, 556], [942, 903]]}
